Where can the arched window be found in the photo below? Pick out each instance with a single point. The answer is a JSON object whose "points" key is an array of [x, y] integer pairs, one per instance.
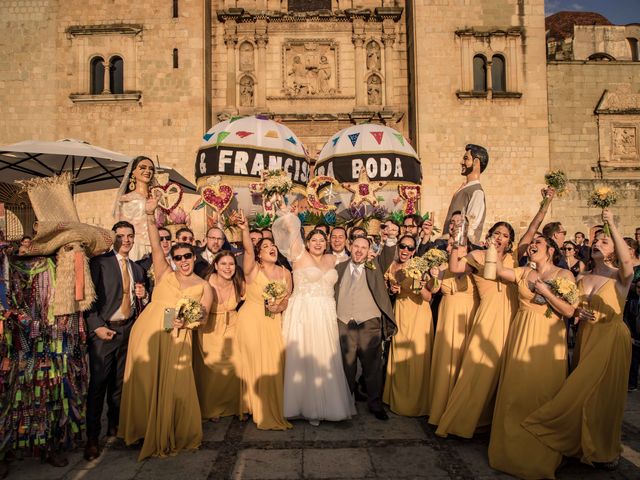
{"points": [[633, 46], [498, 74], [175, 58], [116, 75], [97, 76], [175, 8], [479, 73], [601, 57]]}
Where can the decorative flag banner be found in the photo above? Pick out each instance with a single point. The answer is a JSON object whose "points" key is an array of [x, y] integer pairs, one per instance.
{"points": [[207, 136], [272, 134], [354, 138], [377, 136], [234, 118], [399, 137], [222, 136], [262, 117], [335, 140], [243, 133], [292, 140]]}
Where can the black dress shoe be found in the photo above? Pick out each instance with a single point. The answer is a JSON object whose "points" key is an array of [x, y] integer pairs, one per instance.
{"points": [[360, 397], [380, 414], [91, 450]]}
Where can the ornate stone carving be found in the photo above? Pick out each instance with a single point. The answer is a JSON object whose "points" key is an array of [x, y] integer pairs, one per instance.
{"points": [[310, 68], [373, 56], [246, 57], [620, 100], [625, 142], [246, 91], [374, 90]]}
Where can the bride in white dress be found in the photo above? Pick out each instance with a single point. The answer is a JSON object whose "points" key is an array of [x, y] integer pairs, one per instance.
{"points": [[315, 386]]}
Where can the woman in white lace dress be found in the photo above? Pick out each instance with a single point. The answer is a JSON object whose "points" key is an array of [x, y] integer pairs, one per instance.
{"points": [[315, 387]]}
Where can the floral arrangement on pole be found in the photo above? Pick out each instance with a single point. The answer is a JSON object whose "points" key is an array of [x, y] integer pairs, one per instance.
{"points": [[314, 195], [262, 220], [230, 227], [557, 180], [190, 311], [273, 294], [373, 221], [410, 194], [562, 288], [603, 197], [276, 184]]}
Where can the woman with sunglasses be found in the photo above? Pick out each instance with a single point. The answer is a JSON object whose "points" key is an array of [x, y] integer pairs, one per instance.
{"points": [[570, 252], [216, 352], [131, 199], [471, 402], [536, 350], [259, 335], [159, 397], [584, 419], [406, 389]]}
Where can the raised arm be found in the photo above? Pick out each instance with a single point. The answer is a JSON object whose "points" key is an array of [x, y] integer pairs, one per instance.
{"points": [[160, 265], [249, 257], [625, 264], [456, 262], [506, 274], [286, 235], [547, 196]]}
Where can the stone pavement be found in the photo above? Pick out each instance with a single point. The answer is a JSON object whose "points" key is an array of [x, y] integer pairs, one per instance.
{"points": [[402, 448]]}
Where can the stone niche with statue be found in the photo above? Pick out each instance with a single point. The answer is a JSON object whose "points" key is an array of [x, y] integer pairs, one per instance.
{"points": [[317, 71]]}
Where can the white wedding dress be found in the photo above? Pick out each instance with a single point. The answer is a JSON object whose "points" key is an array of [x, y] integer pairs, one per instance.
{"points": [[315, 386]]}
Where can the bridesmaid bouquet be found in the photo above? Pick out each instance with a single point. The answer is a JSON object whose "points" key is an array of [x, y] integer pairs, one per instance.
{"points": [[435, 258], [273, 293], [558, 181], [603, 197], [416, 268], [564, 289], [189, 310]]}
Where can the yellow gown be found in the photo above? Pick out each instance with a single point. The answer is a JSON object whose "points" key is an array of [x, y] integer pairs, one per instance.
{"points": [[215, 362], [159, 397], [261, 360], [457, 308], [406, 389], [585, 418], [533, 370], [471, 401]]}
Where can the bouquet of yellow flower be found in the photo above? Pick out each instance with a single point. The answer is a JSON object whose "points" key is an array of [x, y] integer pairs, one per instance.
{"points": [[557, 180], [564, 289], [276, 182], [435, 258], [189, 310], [603, 197], [273, 293], [416, 268]]}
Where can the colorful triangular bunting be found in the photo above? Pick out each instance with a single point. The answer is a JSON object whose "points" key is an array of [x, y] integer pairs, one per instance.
{"points": [[272, 134], [207, 136], [292, 140], [222, 136], [243, 133], [377, 136], [335, 140], [399, 137], [354, 138], [234, 118]]}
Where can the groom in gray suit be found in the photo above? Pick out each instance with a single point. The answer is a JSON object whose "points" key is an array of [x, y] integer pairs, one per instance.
{"points": [[365, 319]]}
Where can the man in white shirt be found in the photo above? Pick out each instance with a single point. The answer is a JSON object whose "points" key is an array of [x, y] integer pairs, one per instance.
{"points": [[338, 244], [215, 239]]}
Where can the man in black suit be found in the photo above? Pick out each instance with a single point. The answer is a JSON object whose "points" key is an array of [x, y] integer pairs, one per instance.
{"points": [[215, 240], [119, 284], [365, 320]]}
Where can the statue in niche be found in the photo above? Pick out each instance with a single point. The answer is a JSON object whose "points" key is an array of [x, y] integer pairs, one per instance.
{"points": [[246, 91], [374, 90], [324, 74], [373, 56], [246, 57], [299, 76], [625, 141]]}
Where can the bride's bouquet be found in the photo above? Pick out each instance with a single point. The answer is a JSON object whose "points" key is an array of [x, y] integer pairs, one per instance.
{"points": [[564, 289], [276, 185], [274, 292]]}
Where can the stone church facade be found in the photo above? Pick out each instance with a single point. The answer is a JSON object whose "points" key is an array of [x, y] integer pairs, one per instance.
{"points": [[151, 77]]}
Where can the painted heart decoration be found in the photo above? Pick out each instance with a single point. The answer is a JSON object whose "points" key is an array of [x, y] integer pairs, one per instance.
{"points": [[170, 196], [218, 197]]}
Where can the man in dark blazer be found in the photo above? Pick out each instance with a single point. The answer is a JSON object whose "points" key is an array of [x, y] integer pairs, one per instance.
{"points": [[119, 284], [365, 320]]}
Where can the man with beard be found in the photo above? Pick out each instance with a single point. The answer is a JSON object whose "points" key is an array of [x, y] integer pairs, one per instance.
{"points": [[469, 197]]}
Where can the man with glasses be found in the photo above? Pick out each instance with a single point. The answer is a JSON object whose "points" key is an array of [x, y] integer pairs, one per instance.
{"points": [[411, 225], [185, 235], [215, 240]]}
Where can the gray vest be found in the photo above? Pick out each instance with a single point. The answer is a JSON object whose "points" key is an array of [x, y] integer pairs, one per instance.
{"points": [[355, 300], [459, 202]]}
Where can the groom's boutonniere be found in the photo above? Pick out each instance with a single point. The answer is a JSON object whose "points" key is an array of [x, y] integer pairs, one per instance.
{"points": [[369, 265]]}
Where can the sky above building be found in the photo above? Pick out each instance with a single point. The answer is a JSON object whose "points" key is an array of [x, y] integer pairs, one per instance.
{"points": [[619, 12]]}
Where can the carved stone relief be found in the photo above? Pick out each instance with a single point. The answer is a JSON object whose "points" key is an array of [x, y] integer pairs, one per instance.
{"points": [[310, 68], [246, 57], [373, 56], [374, 90], [625, 142], [246, 91]]}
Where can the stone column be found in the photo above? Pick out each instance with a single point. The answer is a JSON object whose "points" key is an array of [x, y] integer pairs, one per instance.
{"points": [[360, 62], [261, 38], [231, 40], [388, 38], [105, 87]]}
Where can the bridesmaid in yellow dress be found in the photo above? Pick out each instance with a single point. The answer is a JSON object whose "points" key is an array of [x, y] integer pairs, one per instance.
{"points": [[406, 388], [457, 308], [259, 336], [216, 352], [534, 364], [585, 418], [159, 397], [471, 402]]}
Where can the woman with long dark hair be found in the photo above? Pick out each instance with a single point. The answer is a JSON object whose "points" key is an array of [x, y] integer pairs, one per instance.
{"points": [[472, 398], [534, 363], [215, 359], [570, 252]]}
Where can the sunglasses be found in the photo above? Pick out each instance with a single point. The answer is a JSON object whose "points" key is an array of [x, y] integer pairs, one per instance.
{"points": [[410, 226], [186, 256], [404, 246], [165, 238], [186, 239], [567, 249]]}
